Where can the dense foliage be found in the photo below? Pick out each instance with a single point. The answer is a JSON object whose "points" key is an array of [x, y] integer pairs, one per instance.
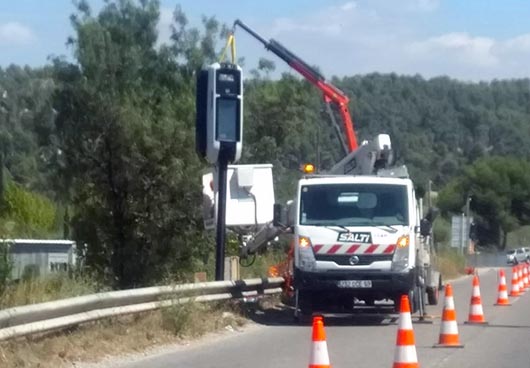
{"points": [[109, 138], [440, 125], [499, 190]]}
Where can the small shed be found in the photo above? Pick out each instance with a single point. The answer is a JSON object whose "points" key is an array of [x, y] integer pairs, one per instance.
{"points": [[42, 257]]}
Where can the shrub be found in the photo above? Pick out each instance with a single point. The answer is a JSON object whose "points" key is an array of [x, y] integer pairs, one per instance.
{"points": [[33, 214], [5, 266]]}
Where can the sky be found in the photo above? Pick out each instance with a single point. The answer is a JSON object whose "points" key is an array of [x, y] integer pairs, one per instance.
{"points": [[469, 40]]}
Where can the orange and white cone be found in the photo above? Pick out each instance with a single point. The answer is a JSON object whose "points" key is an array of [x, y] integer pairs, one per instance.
{"points": [[319, 357], [502, 298], [515, 283], [520, 278], [449, 337], [476, 313], [405, 354], [525, 276]]}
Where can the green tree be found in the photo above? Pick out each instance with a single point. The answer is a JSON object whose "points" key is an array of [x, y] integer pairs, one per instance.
{"points": [[499, 188], [285, 125], [26, 115], [125, 123]]}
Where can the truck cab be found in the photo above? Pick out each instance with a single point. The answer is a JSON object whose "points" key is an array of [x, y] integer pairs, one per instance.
{"points": [[357, 238]]}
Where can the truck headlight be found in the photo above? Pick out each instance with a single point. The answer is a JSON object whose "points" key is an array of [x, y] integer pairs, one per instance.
{"points": [[304, 242], [306, 257], [400, 260]]}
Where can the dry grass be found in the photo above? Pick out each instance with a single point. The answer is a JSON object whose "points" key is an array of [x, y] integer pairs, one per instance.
{"points": [[193, 320], [99, 339], [37, 290], [118, 336], [451, 263]]}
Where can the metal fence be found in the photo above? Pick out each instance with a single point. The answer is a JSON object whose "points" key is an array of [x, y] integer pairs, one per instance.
{"points": [[43, 317]]}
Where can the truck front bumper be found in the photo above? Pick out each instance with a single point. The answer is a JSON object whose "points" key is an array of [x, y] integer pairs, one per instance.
{"points": [[383, 283]]}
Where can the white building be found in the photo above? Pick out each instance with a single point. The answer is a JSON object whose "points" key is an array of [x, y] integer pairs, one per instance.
{"points": [[40, 256]]}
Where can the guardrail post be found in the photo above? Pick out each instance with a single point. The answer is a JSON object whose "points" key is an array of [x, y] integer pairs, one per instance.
{"points": [[232, 270]]}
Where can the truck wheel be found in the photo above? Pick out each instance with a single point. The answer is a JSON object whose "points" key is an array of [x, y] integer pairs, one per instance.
{"points": [[414, 303], [433, 295]]}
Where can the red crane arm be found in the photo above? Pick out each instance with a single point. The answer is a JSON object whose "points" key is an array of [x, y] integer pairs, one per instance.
{"points": [[330, 92]]}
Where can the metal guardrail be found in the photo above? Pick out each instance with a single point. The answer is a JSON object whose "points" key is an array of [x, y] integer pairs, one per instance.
{"points": [[44, 317]]}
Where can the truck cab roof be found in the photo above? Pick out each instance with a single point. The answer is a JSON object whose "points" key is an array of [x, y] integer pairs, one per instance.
{"points": [[343, 179]]}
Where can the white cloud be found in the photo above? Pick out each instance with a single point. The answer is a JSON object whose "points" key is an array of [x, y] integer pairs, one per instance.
{"points": [[517, 44], [349, 6], [477, 51], [364, 36], [14, 33]]}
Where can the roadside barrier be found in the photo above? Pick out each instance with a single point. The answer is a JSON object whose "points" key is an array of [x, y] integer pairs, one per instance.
{"points": [[44, 317], [319, 357], [449, 337], [515, 283], [525, 276], [502, 298], [476, 312], [520, 278], [405, 353]]}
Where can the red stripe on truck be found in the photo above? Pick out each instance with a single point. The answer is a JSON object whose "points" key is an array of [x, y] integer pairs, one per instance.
{"points": [[353, 248], [389, 249], [334, 249], [372, 248], [317, 247]]}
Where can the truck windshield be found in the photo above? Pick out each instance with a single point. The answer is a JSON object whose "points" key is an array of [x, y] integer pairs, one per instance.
{"points": [[354, 205]]}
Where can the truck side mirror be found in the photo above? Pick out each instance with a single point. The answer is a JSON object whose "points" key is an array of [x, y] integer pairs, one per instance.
{"points": [[425, 227], [277, 215]]}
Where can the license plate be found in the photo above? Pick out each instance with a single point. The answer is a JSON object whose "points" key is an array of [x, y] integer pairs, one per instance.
{"points": [[355, 284]]}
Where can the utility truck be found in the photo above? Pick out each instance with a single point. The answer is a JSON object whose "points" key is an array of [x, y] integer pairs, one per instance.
{"points": [[358, 234]]}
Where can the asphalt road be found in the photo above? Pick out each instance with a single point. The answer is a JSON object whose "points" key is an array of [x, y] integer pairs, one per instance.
{"points": [[352, 342]]}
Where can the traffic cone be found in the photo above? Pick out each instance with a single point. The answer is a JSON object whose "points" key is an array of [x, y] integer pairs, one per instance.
{"points": [[476, 313], [502, 299], [405, 353], [319, 357], [515, 283], [449, 329], [525, 276], [520, 278]]}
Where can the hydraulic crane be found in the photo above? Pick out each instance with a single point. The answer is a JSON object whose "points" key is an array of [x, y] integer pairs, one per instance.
{"points": [[365, 159], [355, 230], [331, 93]]}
